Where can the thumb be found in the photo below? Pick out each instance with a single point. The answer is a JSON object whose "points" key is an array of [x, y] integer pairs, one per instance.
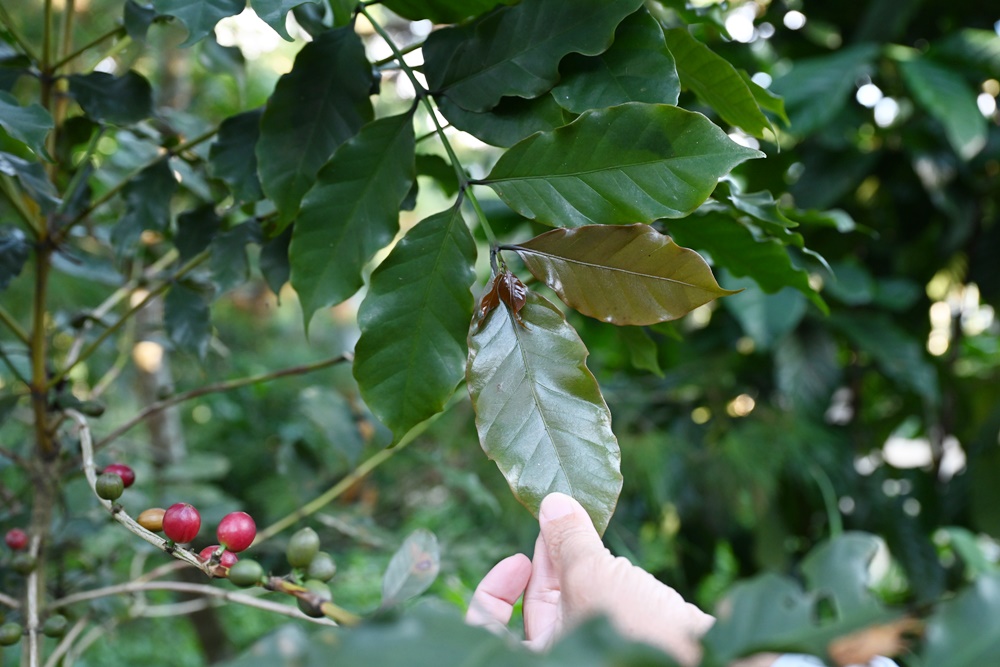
{"points": [[568, 531]]}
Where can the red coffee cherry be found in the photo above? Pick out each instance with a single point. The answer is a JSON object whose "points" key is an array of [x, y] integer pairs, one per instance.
{"points": [[16, 539], [181, 522], [227, 560], [236, 531], [123, 471]]}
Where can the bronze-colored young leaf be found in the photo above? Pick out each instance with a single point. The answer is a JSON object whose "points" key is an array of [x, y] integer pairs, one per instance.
{"points": [[539, 411], [625, 275]]}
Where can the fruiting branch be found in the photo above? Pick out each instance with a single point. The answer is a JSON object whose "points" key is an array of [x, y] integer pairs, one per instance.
{"points": [[227, 385]]}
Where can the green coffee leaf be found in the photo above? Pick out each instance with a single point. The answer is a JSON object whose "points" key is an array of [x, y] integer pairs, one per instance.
{"points": [[716, 82], [122, 100], [414, 321], [512, 119], [442, 11], [273, 13], [14, 252], [943, 93], [765, 99], [839, 569], [147, 205], [199, 16], [412, 569], [816, 89], [630, 163], [765, 318], [273, 261], [437, 168], [137, 19], [625, 275], [233, 157], [539, 411], [636, 68], [314, 109], [965, 631], [33, 179], [186, 318], [515, 51], [195, 230], [351, 213], [30, 124], [228, 261]]}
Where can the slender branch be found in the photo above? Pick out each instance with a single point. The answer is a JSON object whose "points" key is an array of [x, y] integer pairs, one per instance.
{"points": [[46, 42], [329, 609], [463, 179], [14, 326], [153, 293], [38, 350], [398, 54], [79, 176], [10, 192], [7, 600], [32, 616], [118, 187], [227, 385], [369, 464], [117, 513], [59, 64], [186, 587], [69, 14], [8, 23]]}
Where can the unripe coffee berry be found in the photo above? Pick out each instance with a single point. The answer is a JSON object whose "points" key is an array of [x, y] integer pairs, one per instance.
{"points": [[227, 559], [109, 486], [236, 531], [322, 567], [55, 626], [181, 522], [16, 539], [302, 548], [321, 593], [246, 573], [10, 634], [151, 519], [123, 471], [22, 563]]}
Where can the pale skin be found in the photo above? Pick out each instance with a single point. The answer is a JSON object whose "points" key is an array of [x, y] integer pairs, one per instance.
{"points": [[573, 577]]}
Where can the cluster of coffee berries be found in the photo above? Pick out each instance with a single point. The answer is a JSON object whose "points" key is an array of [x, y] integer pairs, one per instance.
{"points": [[311, 569], [23, 562], [113, 481], [181, 522]]}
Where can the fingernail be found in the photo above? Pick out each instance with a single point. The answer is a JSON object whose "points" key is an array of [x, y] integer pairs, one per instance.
{"points": [[556, 505]]}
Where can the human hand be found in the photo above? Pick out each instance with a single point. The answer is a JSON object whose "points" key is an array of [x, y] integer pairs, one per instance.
{"points": [[573, 577]]}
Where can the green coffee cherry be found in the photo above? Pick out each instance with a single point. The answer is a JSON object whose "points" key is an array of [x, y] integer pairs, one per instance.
{"points": [[55, 626], [322, 567], [22, 563], [302, 548], [109, 486], [246, 573], [319, 589], [10, 634]]}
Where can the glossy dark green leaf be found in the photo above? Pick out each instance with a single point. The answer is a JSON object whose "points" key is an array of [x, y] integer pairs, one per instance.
{"points": [[273, 13], [636, 68], [137, 19], [630, 163], [412, 568], [807, 369], [33, 179], [965, 631], [816, 89], [315, 108], [765, 318], [851, 283], [945, 95], [337, 443], [186, 318], [839, 569], [352, 212], [195, 230], [515, 51], [30, 124], [414, 321], [199, 16], [343, 11], [511, 120], [13, 65], [220, 59], [539, 411], [766, 100], [120, 100], [147, 205], [273, 261], [228, 262], [976, 47], [442, 11], [734, 246], [625, 275], [642, 349], [898, 354], [14, 252], [232, 156], [716, 82], [759, 205]]}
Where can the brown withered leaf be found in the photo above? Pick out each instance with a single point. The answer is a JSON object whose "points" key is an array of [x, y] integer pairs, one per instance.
{"points": [[861, 646]]}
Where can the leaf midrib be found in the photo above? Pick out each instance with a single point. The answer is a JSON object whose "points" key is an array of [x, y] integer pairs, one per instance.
{"points": [[581, 262]]}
